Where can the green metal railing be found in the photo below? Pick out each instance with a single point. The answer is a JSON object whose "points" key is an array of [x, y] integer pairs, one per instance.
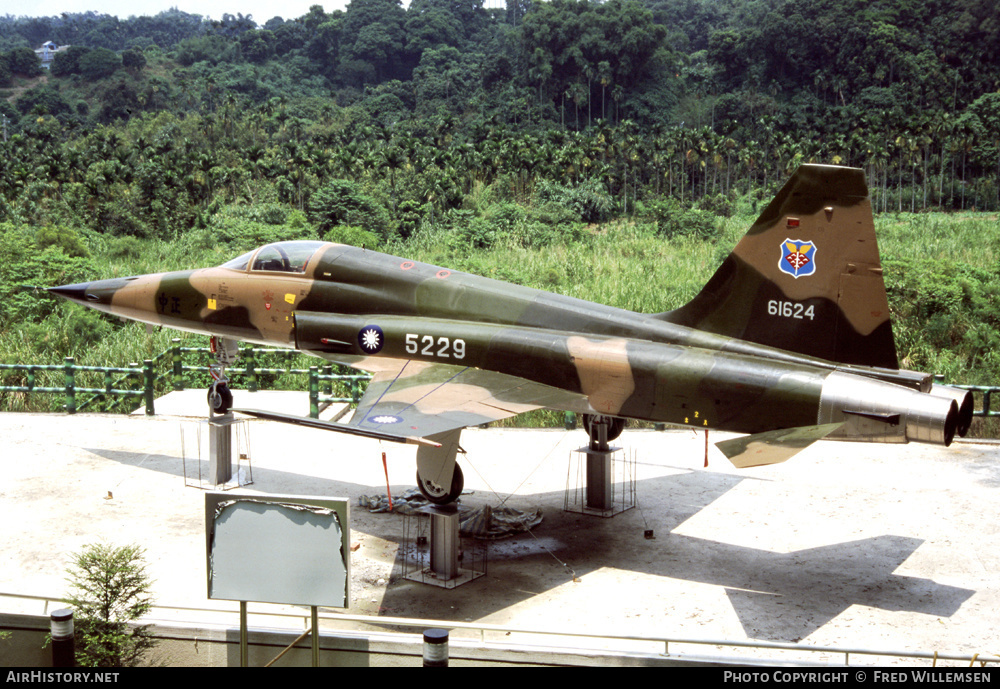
{"points": [[985, 391], [170, 370], [111, 389], [320, 378], [121, 386]]}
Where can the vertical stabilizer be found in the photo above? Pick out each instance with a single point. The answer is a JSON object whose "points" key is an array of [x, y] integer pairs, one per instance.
{"points": [[806, 277]]}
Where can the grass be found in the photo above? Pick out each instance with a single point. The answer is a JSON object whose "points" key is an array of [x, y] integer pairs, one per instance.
{"points": [[969, 238], [622, 264], [942, 270]]}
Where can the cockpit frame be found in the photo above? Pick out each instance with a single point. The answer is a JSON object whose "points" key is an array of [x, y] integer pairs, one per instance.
{"points": [[290, 257]]}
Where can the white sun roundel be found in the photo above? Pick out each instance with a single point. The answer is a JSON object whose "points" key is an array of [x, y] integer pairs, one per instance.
{"points": [[371, 339]]}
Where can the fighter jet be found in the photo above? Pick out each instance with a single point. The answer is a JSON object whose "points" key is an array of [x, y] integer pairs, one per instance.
{"points": [[789, 342]]}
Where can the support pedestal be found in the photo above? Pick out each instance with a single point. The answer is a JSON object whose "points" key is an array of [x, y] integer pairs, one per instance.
{"points": [[598, 478], [220, 449], [444, 541], [600, 481], [444, 550], [227, 450]]}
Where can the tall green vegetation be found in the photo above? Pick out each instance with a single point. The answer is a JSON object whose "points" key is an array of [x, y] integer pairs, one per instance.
{"points": [[553, 134], [143, 123]]}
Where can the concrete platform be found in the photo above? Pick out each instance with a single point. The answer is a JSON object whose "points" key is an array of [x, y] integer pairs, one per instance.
{"points": [[891, 547]]}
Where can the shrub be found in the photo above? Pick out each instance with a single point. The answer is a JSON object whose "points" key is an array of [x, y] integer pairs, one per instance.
{"points": [[110, 590], [673, 221], [354, 236], [247, 227], [65, 238], [409, 218], [99, 63], [125, 247], [24, 264], [69, 330], [589, 201], [718, 204]]}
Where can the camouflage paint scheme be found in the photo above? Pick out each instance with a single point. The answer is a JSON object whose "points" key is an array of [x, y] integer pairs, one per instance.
{"points": [[790, 341]]}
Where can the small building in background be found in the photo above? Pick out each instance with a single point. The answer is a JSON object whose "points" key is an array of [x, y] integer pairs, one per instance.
{"points": [[47, 52]]}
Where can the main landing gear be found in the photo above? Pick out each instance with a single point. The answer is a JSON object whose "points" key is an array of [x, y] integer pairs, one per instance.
{"points": [[592, 423], [439, 477], [438, 494], [440, 480]]}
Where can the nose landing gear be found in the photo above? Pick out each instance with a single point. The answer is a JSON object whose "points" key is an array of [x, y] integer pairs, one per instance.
{"points": [[220, 398]]}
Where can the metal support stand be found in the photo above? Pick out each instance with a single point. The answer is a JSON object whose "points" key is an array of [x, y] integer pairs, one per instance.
{"points": [[228, 452], [604, 493], [599, 485], [444, 547], [220, 449], [244, 636], [444, 541]]}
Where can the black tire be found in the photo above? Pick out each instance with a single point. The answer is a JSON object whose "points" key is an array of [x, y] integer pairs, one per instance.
{"points": [[436, 493], [615, 425], [220, 398]]}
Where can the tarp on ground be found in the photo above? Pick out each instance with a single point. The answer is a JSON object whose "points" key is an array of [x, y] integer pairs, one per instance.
{"points": [[484, 522]]}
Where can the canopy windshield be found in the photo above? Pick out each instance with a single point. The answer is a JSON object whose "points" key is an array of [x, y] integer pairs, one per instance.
{"points": [[282, 257]]}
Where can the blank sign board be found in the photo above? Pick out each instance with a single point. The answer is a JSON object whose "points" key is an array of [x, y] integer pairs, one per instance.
{"points": [[291, 550]]}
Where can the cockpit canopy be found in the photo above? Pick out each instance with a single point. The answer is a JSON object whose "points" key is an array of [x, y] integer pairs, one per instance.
{"points": [[280, 257]]}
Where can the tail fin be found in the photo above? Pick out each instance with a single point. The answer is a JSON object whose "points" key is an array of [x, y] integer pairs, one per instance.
{"points": [[806, 277]]}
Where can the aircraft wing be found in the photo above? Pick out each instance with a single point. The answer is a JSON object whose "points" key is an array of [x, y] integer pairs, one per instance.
{"points": [[420, 399]]}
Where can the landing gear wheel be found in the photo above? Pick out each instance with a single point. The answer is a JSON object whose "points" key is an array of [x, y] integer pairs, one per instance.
{"points": [[220, 398], [615, 425], [437, 494]]}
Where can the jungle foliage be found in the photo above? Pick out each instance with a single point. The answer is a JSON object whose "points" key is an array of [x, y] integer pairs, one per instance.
{"points": [[543, 143]]}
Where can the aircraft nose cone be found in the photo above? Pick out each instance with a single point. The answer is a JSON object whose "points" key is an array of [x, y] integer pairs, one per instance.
{"points": [[95, 294], [77, 292]]}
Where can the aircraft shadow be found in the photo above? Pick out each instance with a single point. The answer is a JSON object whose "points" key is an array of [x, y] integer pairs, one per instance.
{"points": [[264, 478], [776, 596]]}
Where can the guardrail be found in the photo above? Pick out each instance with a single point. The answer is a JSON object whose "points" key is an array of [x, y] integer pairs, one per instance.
{"points": [[985, 391], [169, 370], [111, 389], [319, 384], [542, 640], [145, 381]]}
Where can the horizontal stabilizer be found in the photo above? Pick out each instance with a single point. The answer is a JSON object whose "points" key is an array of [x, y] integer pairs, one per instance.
{"points": [[773, 447], [336, 427]]}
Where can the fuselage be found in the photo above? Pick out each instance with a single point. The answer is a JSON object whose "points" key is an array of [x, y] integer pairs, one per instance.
{"points": [[322, 298]]}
